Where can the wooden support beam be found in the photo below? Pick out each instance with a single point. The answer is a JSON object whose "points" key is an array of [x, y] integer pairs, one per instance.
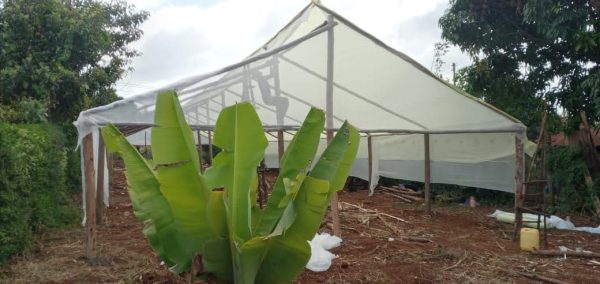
{"points": [[100, 182], [90, 196], [210, 148], [280, 144], [110, 160], [370, 162], [427, 173], [199, 149], [335, 215], [518, 187]]}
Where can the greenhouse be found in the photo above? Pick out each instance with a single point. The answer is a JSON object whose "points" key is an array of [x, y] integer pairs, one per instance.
{"points": [[414, 125]]}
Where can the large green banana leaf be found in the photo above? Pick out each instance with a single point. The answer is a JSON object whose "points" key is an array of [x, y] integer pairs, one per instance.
{"points": [[310, 205], [149, 205], [177, 167], [240, 136], [183, 196], [293, 165]]}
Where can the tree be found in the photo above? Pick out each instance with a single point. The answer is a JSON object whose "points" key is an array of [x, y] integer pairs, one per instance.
{"points": [[66, 54], [528, 51]]}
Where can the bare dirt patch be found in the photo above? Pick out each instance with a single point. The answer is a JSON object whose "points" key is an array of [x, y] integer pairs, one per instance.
{"points": [[466, 247]]}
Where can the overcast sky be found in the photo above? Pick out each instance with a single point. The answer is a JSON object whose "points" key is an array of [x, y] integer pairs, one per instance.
{"points": [[189, 37]]}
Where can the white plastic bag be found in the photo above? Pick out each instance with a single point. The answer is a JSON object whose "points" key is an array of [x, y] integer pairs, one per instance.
{"points": [[320, 258]]}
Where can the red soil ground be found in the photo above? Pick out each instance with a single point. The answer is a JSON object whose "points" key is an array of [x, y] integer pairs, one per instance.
{"points": [[466, 247]]}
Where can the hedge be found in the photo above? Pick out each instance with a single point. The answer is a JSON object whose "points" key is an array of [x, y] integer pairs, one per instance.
{"points": [[33, 192], [566, 170]]}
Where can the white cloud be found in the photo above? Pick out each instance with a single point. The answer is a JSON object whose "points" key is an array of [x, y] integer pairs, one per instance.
{"points": [[183, 38]]}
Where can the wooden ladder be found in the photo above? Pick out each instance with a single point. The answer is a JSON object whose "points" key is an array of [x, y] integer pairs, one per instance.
{"points": [[534, 188]]}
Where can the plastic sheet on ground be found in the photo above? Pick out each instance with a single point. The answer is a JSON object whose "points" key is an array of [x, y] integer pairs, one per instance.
{"points": [[320, 258], [552, 222]]}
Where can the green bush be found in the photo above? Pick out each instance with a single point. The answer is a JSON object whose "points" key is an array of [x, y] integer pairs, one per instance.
{"points": [[33, 162], [73, 167], [566, 169]]}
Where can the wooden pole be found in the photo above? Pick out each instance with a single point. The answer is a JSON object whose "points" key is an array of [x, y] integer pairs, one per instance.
{"points": [[100, 182], [335, 215], [518, 186], [210, 148], [199, 149], [90, 196], [427, 177], [280, 144], [111, 170], [370, 162]]}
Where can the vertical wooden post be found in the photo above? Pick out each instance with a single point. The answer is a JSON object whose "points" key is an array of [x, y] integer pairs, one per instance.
{"points": [[335, 216], [210, 148], [280, 144], [427, 180], [90, 196], [199, 149], [370, 162], [111, 171], [100, 182], [518, 186]]}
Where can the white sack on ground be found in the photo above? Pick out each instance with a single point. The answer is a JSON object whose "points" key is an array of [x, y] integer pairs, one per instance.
{"points": [[552, 222], [320, 258]]}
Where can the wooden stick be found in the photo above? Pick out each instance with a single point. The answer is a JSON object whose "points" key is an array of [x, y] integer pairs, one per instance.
{"points": [[335, 215], [100, 182], [370, 163], [393, 217], [417, 239], [518, 186], [533, 276], [566, 253], [394, 229], [593, 262], [398, 196], [199, 149], [280, 145], [358, 207], [210, 148], [406, 191], [412, 197], [111, 171], [541, 278], [427, 166], [375, 211], [90, 196], [457, 263]]}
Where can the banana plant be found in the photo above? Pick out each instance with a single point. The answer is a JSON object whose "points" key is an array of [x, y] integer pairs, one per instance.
{"points": [[215, 216]]}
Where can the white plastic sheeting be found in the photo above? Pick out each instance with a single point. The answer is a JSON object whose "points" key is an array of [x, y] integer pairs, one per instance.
{"points": [[379, 90], [320, 257], [552, 222]]}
